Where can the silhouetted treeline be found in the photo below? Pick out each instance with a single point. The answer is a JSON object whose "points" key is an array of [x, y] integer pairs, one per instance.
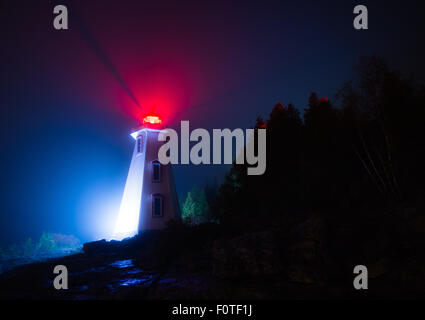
{"points": [[365, 151]]}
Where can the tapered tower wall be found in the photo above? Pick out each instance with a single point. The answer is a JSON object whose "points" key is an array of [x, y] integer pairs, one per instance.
{"points": [[163, 188]]}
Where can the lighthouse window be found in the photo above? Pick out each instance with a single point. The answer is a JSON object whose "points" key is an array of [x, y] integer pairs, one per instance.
{"points": [[139, 144], [157, 205], [156, 171]]}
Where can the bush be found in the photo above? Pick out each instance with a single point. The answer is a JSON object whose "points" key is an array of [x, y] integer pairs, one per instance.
{"points": [[196, 209], [48, 244]]}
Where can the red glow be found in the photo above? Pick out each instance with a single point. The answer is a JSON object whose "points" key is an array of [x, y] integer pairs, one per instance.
{"points": [[183, 73], [152, 120]]}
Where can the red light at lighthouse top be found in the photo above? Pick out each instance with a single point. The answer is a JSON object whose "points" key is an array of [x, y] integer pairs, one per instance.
{"points": [[152, 120]]}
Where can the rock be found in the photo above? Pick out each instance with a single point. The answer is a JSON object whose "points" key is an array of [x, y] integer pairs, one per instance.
{"points": [[313, 229], [179, 286], [378, 268], [252, 254], [304, 274], [306, 253], [95, 246]]}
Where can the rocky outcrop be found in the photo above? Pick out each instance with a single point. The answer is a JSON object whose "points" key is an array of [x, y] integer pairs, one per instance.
{"points": [[248, 255]]}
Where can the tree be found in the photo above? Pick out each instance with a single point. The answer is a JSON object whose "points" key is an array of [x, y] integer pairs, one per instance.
{"points": [[46, 242], [195, 208], [366, 152], [28, 248], [390, 135]]}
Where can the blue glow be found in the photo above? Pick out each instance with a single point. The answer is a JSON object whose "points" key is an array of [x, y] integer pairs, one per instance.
{"points": [[121, 264], [131, 282]]}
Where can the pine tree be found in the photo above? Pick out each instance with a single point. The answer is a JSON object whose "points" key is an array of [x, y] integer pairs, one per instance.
{"points": [[195, 207], [46, 242]]}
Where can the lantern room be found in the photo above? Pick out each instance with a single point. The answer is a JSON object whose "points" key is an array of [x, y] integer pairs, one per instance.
{"points": [[152, 120]]}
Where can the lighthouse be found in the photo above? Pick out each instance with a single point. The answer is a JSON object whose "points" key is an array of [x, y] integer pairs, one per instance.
{"points": [[149, 200]]}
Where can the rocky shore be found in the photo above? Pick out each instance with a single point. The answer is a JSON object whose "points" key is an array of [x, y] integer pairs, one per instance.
{"points": [[304, 259]]}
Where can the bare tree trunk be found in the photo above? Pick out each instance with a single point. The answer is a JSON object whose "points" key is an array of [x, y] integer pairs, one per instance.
{"points": [[389, 151], [373, 163], [368, 171], [387, 174]]}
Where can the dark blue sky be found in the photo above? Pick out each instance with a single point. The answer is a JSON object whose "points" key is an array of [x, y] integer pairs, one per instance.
{"points": [[66, 117]]}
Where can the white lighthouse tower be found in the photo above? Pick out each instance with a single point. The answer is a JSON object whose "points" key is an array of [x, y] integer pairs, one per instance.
{"points": [[150, 199]]}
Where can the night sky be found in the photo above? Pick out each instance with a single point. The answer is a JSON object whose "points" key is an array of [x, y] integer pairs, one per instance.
{"points": [[68, 97]]}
